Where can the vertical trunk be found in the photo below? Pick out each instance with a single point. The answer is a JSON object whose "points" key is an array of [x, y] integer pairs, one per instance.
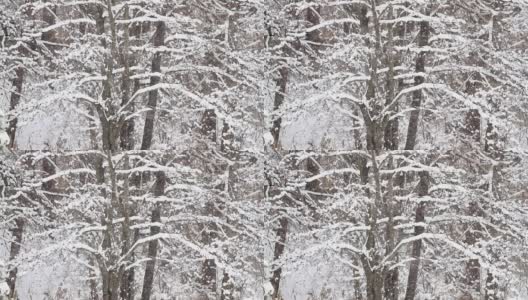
{"points": [[412, 130], [94, 295], [412, 279], [391, 276], [16, 243], [278, 100], [48, 16], [148, 280], [314, 18], [371, 262], [18, 229], [127, 138], [127, 129], [126, 143], [110, 276], [209, 269], [159, 40], [282, 229], [472, 235], [148, 131], [374, 143], [123, 199], [17, 83], [492, 288], [227, 288], [280, 242], [209, 234], [472, 131], [423, 185]]}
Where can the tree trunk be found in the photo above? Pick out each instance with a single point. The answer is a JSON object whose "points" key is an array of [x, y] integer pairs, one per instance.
{"points": [[148, 280], [148, 131], [278, 100], [391, 134], [412, 279], [17, 83], [278, 252], [423, 185], [18, 230], [282, 229], [227, 288], [126, 143], [159, 40], [16, 243], [412, 130]]}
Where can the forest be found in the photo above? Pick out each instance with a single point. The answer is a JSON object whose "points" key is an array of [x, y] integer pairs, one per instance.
{"points": [[264, 149]]}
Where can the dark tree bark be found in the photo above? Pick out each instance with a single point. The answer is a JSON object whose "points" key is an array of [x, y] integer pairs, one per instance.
{"points": [[282, 228], [209, 234], [127, 143], [18, 229], [159, 40], [148, 280], [127, 128], [278, 100], [314, 18], [17, 83], [423, 185], [227, 288], [412, 130], [48, 16], [374, 273], [391, 138], [280, 242], [17, 233], [414, 268]]}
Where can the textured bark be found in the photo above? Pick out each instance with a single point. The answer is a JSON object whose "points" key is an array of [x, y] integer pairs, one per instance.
{"points": [[412, 279], [17, 233], [127, 128], [159, 40], [280, 242], [48, 167], [227, 288], [208, 124], [472, 235], [209, 234], [412, 130], [312, 166], [391, 276], [492, 288], [18, 230], [472, 131], [126, 284], [48, 16], [423, 185], [17, 83], [314, 18], [282, 228], [278, 100], [94, 295], [374, 273], [110, 280], [371, 264], [126, 143], [148, 280]]}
